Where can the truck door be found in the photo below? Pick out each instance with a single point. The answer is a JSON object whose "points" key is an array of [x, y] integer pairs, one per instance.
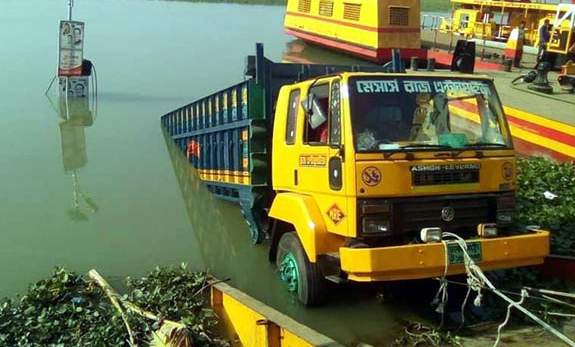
{"points": [[320, 162]]}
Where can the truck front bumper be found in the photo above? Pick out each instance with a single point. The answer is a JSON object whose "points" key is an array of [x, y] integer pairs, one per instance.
{"points": [[429, 260]]}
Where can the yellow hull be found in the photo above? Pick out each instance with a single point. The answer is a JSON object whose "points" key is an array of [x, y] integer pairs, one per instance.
{"points": [[370, 29]]}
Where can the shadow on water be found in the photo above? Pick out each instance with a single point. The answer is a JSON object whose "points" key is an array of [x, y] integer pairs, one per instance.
{"points": [[368, 313]]}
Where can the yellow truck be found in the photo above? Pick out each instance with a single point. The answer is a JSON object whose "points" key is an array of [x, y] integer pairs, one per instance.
{"points": [[356, 173]]}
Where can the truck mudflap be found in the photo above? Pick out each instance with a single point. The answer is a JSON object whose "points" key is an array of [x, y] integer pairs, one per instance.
{"points": [[429, 259]]}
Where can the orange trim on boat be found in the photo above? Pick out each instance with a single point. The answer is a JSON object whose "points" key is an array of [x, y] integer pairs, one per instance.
{"points": [[373, 54]]}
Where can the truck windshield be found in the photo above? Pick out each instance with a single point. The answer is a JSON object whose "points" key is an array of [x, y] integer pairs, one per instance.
{"points": [[396, 112]]}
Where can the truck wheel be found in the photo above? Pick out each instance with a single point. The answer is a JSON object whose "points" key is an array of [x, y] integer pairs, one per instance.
{"points": [[300, 276], [256, 235]]}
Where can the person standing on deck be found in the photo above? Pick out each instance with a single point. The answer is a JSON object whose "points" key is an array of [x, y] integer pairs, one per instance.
{"points": [[520, 44], [514, 46], [543, 40]]}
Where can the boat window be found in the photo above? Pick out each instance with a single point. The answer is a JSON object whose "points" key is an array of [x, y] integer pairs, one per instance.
{"points": [[293, 108], [326, 8], [304, 6], [351, 11], [398, 16]]}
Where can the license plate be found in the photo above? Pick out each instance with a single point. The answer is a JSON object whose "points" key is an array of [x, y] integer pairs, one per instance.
{"points": [[455, 254]]}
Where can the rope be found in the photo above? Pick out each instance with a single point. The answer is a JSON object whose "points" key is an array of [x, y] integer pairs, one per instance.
{"points": [[529, 290], [501, 290], [477, 279], [524, 294], [442, 290], [475, 283], [552, 292]]}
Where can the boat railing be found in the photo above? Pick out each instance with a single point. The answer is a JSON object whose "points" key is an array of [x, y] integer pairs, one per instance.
{"points": [[432, 22]]}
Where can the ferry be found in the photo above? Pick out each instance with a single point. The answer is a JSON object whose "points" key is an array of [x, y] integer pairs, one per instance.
{"points": [[365, 28], [495, 20]]}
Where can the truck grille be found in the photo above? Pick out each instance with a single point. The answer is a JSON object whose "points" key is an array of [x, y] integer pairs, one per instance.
{"points": [[444, 176], [410, 216]]}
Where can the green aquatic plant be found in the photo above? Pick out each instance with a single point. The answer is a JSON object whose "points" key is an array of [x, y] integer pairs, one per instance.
{"points": [[546, 197], [72, 310], [418, 334]]}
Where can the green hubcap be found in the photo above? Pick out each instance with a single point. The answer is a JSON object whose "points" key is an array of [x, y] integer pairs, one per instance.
{"points": [[289, 273]]}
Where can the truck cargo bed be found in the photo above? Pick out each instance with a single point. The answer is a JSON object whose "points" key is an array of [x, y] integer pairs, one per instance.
{"points": [[227, 135]]}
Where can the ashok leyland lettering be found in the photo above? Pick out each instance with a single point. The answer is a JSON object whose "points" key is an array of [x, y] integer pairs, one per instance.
{"points": [[355, 175]]}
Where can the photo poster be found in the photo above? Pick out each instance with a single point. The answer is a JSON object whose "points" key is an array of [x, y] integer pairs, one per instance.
{"points": [[70, 48]]}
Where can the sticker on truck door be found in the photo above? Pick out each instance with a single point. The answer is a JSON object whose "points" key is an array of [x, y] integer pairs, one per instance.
{"points": [[335, 214], [371, 176], [312, 160]]}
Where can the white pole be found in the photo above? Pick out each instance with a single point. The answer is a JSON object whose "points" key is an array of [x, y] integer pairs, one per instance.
{"points": [[70, 5]]}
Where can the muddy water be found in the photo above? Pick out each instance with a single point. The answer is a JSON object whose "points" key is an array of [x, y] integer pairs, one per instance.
{"points": [[95, 185]]}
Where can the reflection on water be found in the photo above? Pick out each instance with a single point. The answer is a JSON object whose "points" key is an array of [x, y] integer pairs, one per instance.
{"points": [[112, 171], [301, 52], [75, 116], [222, 234], [114, 175]]}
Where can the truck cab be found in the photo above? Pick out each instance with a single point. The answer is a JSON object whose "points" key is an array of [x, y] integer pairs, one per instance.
{"points": [[370, 170]]}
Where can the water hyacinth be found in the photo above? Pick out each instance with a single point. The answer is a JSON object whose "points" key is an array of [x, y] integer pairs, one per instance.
{"points": [[71, 310], [554, 211]]}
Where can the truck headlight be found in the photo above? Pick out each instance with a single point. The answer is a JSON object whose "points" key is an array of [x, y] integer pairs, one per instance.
{"points": [[487, 230], [430, 235], [375, 226]]}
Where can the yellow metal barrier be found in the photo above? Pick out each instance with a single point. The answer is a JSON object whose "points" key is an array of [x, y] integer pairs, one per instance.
{"points": [[252, 323]]}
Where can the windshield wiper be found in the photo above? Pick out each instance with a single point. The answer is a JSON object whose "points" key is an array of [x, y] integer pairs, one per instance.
{"points": [[408, 155], [478, 146], [486, 144], [424, 146]]}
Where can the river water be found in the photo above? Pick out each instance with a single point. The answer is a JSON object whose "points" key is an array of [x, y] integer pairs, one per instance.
{"points": [[99, 187]]}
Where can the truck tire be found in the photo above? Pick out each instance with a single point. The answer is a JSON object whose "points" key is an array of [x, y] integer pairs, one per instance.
{"points": [[301, 276]]}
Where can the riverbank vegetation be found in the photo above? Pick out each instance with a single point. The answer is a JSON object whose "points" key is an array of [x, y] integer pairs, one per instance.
{"points": [[546, 197], [167, 307], [426, 5]]}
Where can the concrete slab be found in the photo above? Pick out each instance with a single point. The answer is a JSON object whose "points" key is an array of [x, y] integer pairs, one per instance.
{"points": [[559, 106]]}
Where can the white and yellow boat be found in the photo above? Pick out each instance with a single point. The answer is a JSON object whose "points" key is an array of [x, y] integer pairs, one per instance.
{"points": [[494, 21], [366, 28]]}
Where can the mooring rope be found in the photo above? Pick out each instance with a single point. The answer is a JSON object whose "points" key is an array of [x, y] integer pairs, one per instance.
{"points": [[476, 280], [524, 295], [442, 291]]}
